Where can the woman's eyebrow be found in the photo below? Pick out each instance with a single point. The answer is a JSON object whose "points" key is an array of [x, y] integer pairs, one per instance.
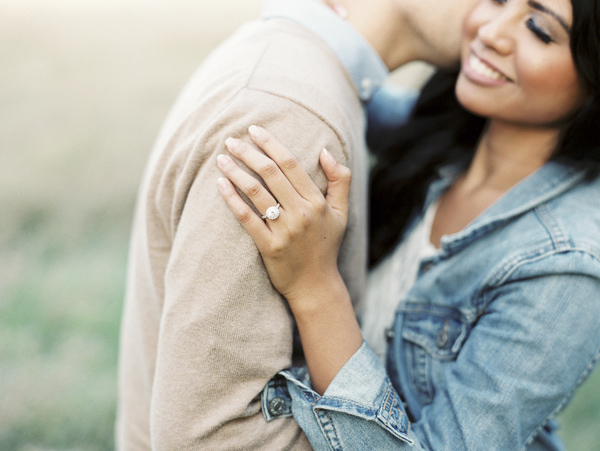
{"points": [[542, 8]]}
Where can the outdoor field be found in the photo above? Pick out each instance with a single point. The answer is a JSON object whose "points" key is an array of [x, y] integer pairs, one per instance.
{"points": [[84, 86]]}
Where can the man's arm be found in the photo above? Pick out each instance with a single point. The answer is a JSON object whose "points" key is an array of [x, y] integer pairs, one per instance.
{"points": [[224, 330]]}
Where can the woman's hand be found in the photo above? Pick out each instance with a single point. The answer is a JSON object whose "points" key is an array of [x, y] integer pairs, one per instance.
{"points": [[300, 247]]}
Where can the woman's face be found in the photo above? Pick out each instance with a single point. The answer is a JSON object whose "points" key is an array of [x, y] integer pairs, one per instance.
{"points": [[517, 65]]}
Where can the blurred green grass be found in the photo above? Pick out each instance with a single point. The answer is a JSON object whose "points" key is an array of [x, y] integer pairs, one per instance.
{"points": [[84, 87], [83, 90]]}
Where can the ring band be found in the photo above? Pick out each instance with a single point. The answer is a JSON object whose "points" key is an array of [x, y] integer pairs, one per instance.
{"points": [[272, 213]]}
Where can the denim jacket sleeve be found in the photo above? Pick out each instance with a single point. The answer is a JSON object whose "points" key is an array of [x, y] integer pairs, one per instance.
{"points": [[360, 407], [536, 341]]}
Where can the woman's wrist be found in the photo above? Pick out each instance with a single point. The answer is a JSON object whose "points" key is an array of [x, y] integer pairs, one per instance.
{"points": [[326, 293], [328, 329]]}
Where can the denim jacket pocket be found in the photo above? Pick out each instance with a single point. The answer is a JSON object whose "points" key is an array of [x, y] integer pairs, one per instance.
{"points": [[433, 336]]}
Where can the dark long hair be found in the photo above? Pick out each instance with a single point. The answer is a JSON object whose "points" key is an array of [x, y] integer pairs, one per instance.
{"points": [[441, 133]]}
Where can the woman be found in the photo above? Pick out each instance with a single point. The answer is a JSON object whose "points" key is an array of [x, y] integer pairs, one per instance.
{"points": [[494, 270]]}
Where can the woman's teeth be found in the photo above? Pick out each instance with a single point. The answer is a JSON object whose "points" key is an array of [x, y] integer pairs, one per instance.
{"points": [[483, 69]]}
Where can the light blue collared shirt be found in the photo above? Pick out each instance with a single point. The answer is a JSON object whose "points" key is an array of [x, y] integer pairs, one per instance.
{"points": [[362, 62], [387, 105]]}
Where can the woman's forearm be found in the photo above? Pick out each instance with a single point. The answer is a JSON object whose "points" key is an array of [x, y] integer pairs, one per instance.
{"points": [[329, 331]]}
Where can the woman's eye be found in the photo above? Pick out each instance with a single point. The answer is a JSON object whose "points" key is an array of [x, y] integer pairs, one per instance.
{"points": [[501, 2], [541, 34]]}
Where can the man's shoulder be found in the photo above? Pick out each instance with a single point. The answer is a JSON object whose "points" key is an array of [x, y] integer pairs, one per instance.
{"points": [[296, 63], [278, 58]]}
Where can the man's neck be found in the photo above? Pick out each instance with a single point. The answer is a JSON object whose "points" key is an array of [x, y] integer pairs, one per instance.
{"points": [[381, 26], [367, 70]]}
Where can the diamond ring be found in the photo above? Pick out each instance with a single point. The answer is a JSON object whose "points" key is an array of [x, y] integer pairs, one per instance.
{"points": [[272, 213]]}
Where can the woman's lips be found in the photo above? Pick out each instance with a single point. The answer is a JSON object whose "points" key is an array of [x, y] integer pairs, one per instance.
{"points": [[482, 73]]}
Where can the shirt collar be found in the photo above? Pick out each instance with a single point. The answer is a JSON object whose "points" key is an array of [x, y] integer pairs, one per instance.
{"points": [[548, 182], [362, 62]]}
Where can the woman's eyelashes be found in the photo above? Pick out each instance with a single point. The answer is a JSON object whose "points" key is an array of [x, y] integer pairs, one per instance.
{"points": [[541, 34]]}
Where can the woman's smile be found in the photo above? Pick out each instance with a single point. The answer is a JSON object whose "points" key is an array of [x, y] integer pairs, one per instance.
{"points": [[523, 47], [482, 72]]}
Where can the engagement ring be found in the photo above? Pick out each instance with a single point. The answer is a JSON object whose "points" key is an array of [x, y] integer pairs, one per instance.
{"points": [[272, 213]]}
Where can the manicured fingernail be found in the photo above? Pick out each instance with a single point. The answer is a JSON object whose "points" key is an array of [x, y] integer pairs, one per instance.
{"points": [[329, 156], [223, 160], [222, 183], [342, 12], [231, 143], [254, 131]]}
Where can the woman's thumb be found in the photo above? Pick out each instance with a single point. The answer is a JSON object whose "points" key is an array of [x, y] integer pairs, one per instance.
{"points": [[338, 188]]}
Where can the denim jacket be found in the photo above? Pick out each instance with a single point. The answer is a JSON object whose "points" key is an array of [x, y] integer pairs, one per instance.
{"points": [[500, 328]]}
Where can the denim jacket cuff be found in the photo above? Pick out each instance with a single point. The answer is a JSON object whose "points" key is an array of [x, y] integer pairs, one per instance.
{"points": [[275, 400], [361, 389]]}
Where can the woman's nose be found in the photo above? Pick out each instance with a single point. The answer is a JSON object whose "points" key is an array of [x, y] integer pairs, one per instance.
{"points": [[498, 33]]}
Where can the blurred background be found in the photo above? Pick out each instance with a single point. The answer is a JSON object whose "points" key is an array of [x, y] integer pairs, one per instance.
{"points": [[84, 86]]}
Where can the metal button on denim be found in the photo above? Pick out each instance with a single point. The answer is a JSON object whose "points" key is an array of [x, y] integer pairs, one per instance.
{"points": [[443, 335], [277, 406], [389, 334]]}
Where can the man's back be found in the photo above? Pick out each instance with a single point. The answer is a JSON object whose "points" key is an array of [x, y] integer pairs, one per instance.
{"points": [[203, 329]]}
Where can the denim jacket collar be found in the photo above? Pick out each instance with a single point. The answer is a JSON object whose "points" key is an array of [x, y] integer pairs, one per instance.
{"points": [[548, 182]]}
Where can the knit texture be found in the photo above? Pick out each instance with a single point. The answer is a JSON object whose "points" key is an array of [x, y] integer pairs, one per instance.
{"points": [[203, 328]]}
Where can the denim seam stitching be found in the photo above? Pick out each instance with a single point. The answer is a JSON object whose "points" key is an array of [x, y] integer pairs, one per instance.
{"points": [[557, 236], [514, 264], [346, 401], [389, 411], [311, 399], [500, 276], [510, 266], [487, 287], [335, 433]]}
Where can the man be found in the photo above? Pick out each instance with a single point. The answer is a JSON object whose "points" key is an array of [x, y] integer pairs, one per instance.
{"points": [[203, 329]]}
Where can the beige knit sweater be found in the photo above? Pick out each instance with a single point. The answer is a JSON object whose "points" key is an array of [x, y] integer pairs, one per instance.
{"points": [[203, 329]]}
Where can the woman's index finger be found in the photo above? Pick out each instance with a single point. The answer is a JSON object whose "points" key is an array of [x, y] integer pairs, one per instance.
{"points": [[286, 160]]}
